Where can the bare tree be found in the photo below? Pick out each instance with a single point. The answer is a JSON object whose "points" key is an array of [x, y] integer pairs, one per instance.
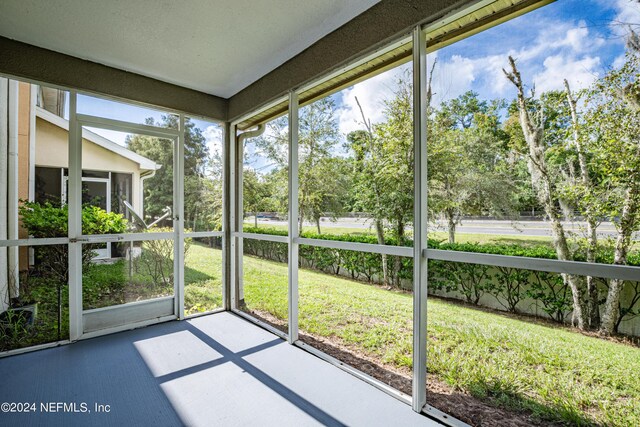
{"points": [[533, 130], [378, 221], [592, 305], [629, 217]]}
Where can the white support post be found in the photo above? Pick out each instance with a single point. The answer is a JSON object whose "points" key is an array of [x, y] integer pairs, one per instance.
{"points": [[419, 395], [76, 327], [234, 191], [32, 154], [32, 141], [293, 217], [178, 221], [12, 190], [4, 133], [226, 216], [239, 217]]}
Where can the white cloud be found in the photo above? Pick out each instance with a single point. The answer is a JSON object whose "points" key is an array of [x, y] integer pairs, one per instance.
{"points": [[371, 94], [559, 50], [213, 137], [627, 14], [453, 78], [580, 73], [619, 61]]}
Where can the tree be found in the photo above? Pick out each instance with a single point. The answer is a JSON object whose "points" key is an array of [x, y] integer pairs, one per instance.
{"points": [[327, 189], [532, 123], [322, 186], [613, 118], [467, 171], [158, 191], [257, 193], [584, 194], [383, 167], [366, 189], [321, 176]]}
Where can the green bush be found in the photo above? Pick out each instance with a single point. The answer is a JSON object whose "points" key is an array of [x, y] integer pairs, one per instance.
{"points": [[156, 260], [46, 221], [472, 281]]}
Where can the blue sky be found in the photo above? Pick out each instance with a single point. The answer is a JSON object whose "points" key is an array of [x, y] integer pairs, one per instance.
{"points": [[573, 39], [135, 114]]}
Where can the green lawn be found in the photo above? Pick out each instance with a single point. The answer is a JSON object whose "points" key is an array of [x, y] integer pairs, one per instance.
{"points": [[552, 372], [502, 239], [202, 279], [109, 284]]}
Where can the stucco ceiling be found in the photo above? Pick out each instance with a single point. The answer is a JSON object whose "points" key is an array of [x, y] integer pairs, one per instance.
{"points": [[215, 46]]}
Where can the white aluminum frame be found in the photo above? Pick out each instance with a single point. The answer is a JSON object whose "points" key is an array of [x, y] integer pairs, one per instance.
{"points": [[420, 220], [294, 230], [403, 251], [178, 221], [76, 324], [578, 268], [235, 198], [419, 252], [75, 206], [260, 236], [236, 216]]}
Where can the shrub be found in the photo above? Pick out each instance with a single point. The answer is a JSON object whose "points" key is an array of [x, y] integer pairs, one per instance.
{"points": [[553, 294], [157, 257], [46, 221], [472, 281]]}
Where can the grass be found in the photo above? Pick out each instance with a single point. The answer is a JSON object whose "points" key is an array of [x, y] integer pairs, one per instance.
{"points": [[504, 239], [551, 372], [202, 279], [555, 374], [109, 284]]}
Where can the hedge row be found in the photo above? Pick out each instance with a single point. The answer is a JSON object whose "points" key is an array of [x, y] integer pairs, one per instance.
{"points": [[471, 282]]}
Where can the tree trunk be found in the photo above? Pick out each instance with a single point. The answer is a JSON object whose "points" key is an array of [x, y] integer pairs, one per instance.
{"points": [[318, 225], [533, 131], [623, 242], [611, 308], [398, 260], [628, 222], [255, 219], [592, 306], [380, 235], [451, 225], [301, 218]]}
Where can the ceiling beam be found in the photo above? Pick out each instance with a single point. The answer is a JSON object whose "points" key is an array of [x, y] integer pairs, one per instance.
{"points": [[22, 60]]}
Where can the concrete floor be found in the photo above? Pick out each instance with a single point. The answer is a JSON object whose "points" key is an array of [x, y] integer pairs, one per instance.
{"points": [[214, 370]]}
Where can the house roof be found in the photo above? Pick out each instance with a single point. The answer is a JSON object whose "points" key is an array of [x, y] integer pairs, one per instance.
{"points": [[143, 162]]}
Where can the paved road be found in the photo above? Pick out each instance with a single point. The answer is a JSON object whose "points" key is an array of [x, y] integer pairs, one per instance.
{"points": [[524, 228], [499, 227]]}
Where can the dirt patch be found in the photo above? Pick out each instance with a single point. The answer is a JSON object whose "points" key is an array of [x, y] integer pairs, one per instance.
{"points": [[458, 404]]}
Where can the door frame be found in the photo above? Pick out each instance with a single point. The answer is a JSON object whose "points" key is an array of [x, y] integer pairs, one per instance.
{"points": [[90, 323]]}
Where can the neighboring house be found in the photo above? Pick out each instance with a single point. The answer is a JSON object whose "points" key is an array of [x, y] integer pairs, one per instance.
{"points": [[36, 155], [111, 174]]}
